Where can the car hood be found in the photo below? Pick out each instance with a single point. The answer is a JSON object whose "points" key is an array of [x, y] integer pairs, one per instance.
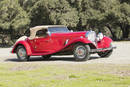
{"points": [[70, 34]]}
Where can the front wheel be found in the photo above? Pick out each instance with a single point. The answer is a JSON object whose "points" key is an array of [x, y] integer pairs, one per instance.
{"points": [[105, 54], [81, 52], [22, 54]]}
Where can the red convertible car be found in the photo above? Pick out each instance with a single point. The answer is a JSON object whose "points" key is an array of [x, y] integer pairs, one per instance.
{"points": [[51, 40]]}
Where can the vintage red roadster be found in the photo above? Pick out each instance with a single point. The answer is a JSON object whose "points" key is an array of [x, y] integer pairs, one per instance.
{"points": [[51, 40]]}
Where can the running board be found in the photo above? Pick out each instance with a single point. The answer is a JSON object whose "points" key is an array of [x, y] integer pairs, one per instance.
{"points": [[101, 49]]}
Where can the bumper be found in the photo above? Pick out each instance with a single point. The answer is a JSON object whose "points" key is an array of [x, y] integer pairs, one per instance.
{"points": [[102, 49]]}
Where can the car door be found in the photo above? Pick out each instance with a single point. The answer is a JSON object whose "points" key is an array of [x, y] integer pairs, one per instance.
{"points": [[43, 45]]}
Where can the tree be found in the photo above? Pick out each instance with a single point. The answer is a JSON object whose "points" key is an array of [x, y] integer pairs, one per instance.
{"points": [[118, 16], [89, 15], [110, 11], [99, 15], [103, 13], [62, 13], [46, 12], [124, 21], [12, 17]]}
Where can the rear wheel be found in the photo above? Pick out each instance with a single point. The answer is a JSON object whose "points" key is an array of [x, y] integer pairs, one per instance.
{"points": [[22, 54], [46, 57], [81, 52]]}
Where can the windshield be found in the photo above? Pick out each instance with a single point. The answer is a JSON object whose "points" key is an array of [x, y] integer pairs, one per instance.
{"points": [[58, 29]]}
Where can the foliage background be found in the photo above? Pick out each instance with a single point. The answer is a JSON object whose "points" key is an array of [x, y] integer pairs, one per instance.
{"points": [[112, 17]]}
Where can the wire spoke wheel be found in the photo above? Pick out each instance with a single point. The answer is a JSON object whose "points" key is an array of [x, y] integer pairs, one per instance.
{"points": [[21, 53], [81, 52]]}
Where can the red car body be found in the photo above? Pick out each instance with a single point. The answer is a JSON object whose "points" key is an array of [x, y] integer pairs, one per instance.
{"points": [[61, 43]]}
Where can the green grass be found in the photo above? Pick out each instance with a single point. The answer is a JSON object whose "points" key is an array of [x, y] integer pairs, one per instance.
{"points": [[58, 75]]}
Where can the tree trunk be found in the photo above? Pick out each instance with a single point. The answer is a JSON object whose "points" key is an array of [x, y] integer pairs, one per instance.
{"points": [[125, 31], [126, 34], [113, 35]]}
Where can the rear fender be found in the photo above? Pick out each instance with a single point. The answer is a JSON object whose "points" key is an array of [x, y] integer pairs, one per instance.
{"points": [[105, 42], [25, 44]]}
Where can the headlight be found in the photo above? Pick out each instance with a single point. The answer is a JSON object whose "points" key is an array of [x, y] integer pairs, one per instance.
{"points": [[100, 36], [91, 35]]}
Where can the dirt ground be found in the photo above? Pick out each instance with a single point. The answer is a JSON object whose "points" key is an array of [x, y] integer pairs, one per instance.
{"points": [[121, 55]]}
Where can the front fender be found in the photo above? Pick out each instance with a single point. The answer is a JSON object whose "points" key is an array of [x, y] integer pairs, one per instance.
{"points": [[25, 44], [104, 43], [80, 40]]}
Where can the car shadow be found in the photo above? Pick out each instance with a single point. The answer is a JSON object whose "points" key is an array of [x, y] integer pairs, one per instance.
{"points": [[35, 59]]}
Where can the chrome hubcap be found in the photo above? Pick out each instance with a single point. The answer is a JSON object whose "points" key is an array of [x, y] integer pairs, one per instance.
{"points": [[80, 51], [22, 53]]}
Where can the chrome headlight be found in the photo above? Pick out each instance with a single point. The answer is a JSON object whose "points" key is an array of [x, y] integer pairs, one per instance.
{"points": [[100, 36], [91, 35]]}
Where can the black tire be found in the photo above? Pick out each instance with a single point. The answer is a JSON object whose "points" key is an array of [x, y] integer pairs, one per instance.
{"points": [[81, 52], [22, 54], [105, 54], [46, 57]]}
